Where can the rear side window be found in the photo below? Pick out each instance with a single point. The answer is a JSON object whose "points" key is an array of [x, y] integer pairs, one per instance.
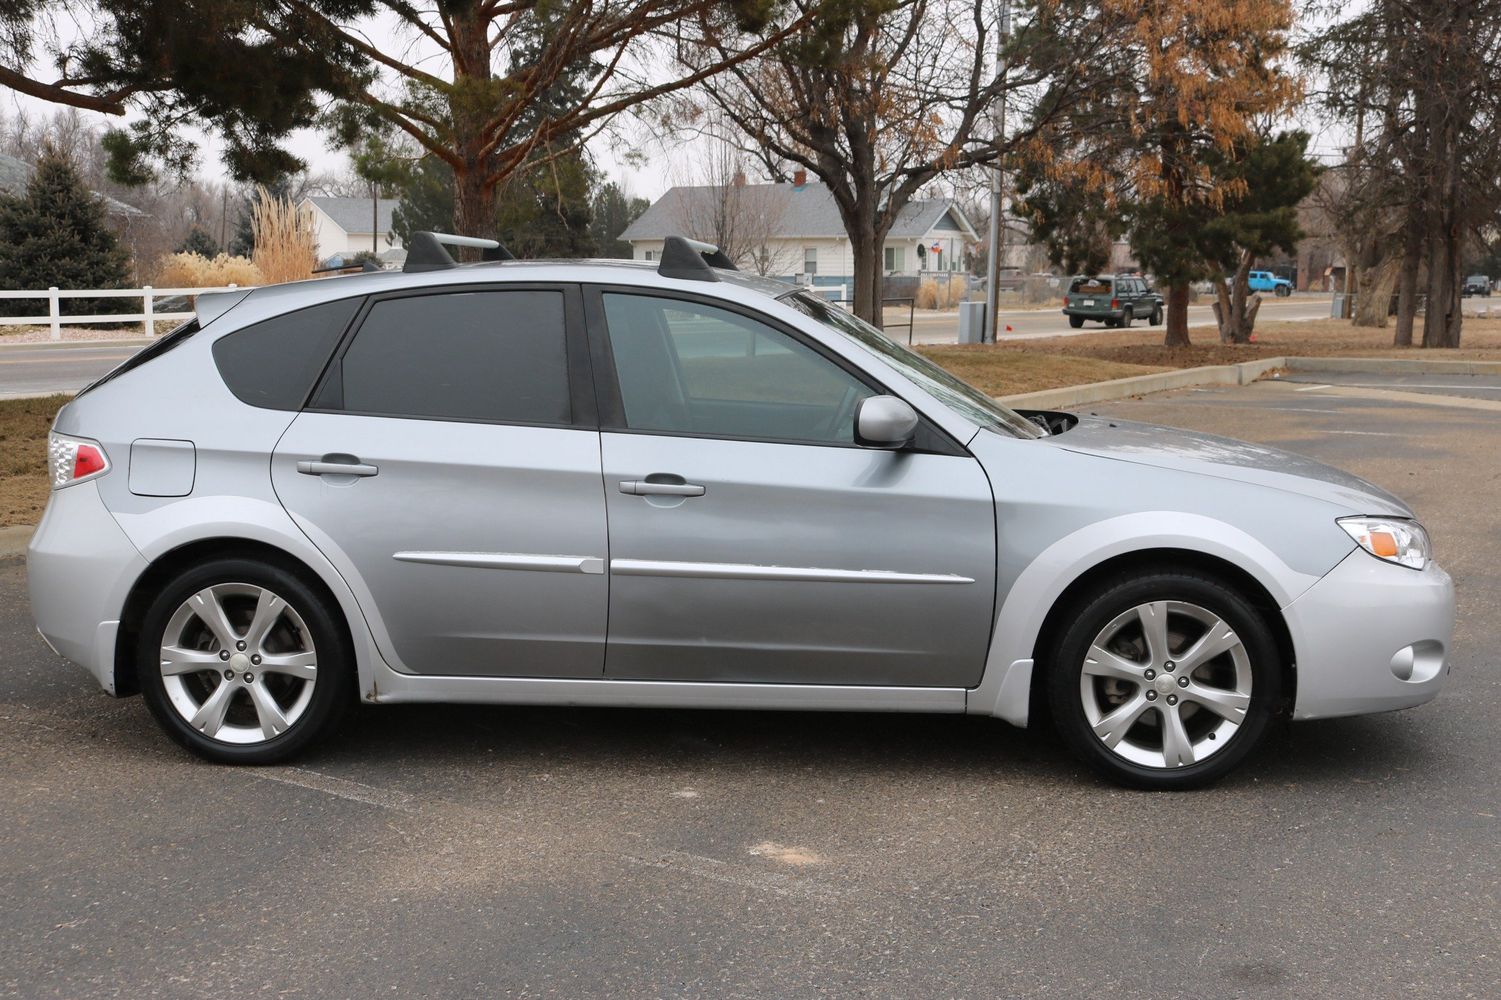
{"points": [[488, 356], [275, 362]]}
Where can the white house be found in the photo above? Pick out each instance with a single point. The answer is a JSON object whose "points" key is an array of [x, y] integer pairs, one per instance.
{"points": [[795, 230], [347, 226]]}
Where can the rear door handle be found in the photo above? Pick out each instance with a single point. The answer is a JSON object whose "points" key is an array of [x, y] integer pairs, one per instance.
{"points": [[645, 488], [336, 469]]}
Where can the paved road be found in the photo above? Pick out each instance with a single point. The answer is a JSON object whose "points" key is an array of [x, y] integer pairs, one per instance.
{"points": [[452, 851], [27, 369], [31, 369], [1466, 386]]}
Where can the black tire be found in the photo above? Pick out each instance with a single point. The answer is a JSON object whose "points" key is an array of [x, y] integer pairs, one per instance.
{"points": [[332, 688], [1283, 291], [1156, 319], [1076, 321], [1127, 315], [1107, 603]]}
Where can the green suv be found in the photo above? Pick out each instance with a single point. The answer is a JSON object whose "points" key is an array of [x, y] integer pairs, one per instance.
{"points": [[1113, 301]]}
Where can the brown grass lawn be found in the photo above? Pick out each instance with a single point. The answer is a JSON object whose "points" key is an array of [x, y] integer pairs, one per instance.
{"points": [[999, 370], [23, 457]]}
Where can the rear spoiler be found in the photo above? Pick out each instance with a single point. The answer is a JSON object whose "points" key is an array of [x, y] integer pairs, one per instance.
{"points": [[209, 306]]}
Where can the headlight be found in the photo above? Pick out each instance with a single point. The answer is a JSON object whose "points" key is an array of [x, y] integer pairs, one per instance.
{"points": [[1393, 539]]}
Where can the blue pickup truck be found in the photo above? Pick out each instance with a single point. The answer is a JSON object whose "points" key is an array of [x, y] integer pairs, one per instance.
{"points": [[1266, 281]]}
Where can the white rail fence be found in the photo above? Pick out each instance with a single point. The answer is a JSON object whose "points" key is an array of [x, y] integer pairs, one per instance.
{"points": [[148, 315]]}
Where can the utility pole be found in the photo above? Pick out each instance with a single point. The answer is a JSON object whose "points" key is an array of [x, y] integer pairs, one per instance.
{"points": [[997, 199]]}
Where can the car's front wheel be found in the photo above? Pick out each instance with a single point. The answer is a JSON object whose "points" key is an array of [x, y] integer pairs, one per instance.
{"points": [[1156, 319], [242, 662], [1165, 680]]}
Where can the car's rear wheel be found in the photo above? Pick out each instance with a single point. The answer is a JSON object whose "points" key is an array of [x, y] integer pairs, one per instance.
{"points": [[1127, 314], [1156, 319], [242, 662], [1283, 291], [1076, 321], [1163, 681]]}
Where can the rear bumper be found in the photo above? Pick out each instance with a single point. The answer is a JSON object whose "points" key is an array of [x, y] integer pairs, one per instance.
{"points": [[1371, 636], [79, 569]]}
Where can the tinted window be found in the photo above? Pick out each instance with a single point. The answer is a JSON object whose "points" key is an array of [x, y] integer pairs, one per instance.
{"points": [[490, 355], [698, 369], [274, 363]]}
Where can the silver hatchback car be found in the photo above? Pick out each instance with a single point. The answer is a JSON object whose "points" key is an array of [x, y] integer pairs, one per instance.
{"points": [[672, 484]]}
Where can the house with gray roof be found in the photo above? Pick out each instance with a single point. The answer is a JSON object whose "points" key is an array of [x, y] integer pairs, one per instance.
{"points": [[347, 226], [793, 230], [16, 174]]}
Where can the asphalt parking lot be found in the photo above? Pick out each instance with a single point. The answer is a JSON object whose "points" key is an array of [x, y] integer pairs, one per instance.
{"points": [[466, 852]]}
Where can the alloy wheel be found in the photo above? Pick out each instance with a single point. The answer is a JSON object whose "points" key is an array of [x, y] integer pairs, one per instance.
{"points": [[1166, 684], [238, 663]]}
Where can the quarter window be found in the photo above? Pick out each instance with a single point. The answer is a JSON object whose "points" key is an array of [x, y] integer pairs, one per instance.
{"points": [[275, 362], [689, 368], [486, 355]]}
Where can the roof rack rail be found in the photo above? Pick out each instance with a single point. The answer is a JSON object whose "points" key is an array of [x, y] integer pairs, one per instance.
{"points": [[425, 251], [692, 260]]}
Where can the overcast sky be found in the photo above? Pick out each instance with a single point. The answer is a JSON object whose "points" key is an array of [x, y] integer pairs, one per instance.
{"points": [[656, 168]]}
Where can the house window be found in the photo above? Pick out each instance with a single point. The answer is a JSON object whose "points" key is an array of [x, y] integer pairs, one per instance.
{"points": [[651, 255], [810, 260], [894, 258]]}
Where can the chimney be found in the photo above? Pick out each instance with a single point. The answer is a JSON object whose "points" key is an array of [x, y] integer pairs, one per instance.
{"points": [[800, 179], [740, 178]]}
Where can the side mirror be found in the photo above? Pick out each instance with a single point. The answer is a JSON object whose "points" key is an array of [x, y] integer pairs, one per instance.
{"points": [[884, 422]]}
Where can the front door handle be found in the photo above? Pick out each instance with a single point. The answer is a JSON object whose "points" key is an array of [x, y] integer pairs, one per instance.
{"points": [[336, 469], [646, 488]]}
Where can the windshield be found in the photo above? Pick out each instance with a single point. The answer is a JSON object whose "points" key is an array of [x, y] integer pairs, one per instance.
{"points": [[958, 396]]}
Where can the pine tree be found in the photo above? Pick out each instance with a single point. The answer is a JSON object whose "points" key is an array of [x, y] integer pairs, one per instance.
{"points": [[55, 234], [199, 242]]}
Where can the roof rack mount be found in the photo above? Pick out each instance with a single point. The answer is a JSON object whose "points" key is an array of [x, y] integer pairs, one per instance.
{"points": [[692, 260], [425, 251]]}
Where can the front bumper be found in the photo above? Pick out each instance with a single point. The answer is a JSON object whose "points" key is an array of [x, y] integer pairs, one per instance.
{"points": [[1371, 636], [79, 569]]}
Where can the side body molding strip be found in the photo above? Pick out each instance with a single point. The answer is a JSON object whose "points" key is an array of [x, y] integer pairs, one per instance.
{"points": [[745, 571], [593, 565]]}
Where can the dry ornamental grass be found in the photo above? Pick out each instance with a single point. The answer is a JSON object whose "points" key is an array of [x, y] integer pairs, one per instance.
{"points": [[286, 242], [191, 270]]}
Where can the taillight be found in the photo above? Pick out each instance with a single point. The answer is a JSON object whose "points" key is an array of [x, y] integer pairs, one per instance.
{"points": [[71, 460], [1065, 302], [1115, 303]]}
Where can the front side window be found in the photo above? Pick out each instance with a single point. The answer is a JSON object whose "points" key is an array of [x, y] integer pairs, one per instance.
{"points": [[684, 367], [962, 398], [484, 356]]}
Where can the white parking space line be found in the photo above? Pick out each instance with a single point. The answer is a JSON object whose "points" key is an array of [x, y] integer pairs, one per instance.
{"points": [[341, 788], [1379, 434], [1310, 388]]}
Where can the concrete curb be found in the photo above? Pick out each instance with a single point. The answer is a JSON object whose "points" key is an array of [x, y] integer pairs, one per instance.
{"points": [[1140, 385], [78, 344], [1239, 374], [14, 539]]}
